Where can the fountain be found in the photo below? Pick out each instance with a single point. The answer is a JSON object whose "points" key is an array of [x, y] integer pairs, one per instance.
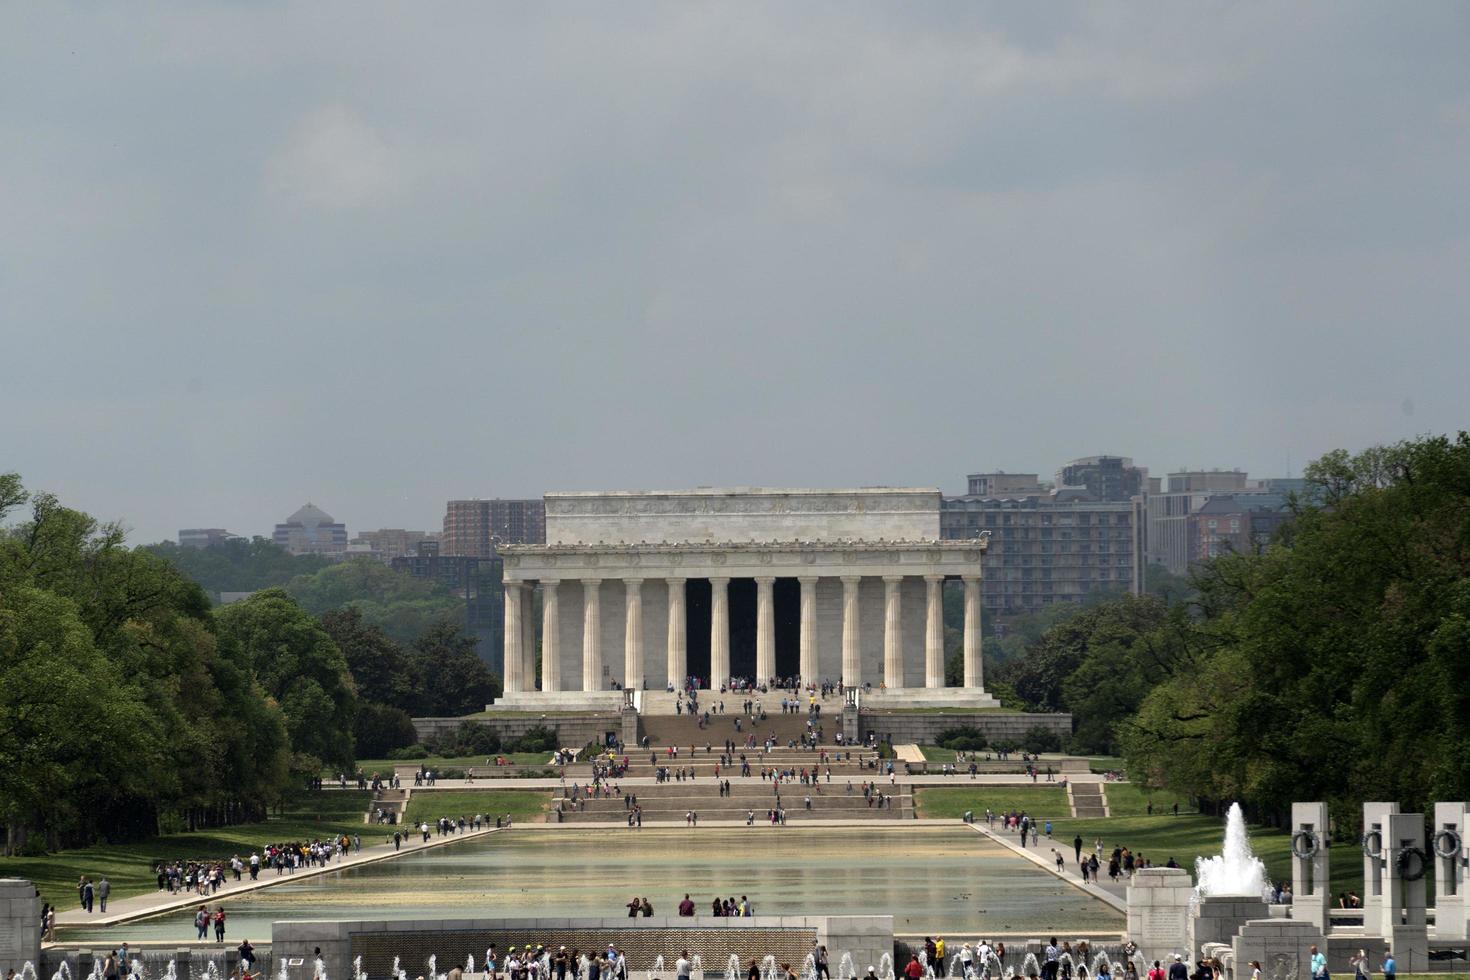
{"points": [[1231, 888], [1031, 966], [657, 970], [885, 967], [1236, 870], [769, 969], [732, 968], [357, 971], [63, 972], [809, 967], [845, 968], [696, 967], [28, 971]]}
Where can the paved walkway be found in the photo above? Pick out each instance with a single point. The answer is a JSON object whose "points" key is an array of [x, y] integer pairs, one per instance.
{"points": [[1040, 854], [141, 906]]}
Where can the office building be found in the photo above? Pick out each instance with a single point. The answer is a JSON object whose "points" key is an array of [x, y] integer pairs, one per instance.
{"points": [[1112, 478], [388, 543], [203, 537], [311, 531], [472, 528]]}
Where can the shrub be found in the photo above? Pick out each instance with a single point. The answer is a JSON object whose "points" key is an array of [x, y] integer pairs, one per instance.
{"points": [[538, 738], [409, 752], [470, 738], [963, 739], [1039, 739]]}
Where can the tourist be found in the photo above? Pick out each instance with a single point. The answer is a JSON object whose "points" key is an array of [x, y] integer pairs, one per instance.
{"points": [[1255, 970], [247, 955], [1050, 959], [1359, 963], [753, 972], [109, 967], [686, 907], [1177, 969], [1390, 967], [1319, 965], [219, 924], [492, 964], [682, 966], [201, 923], [456, 972], [939, 956], [821, 964], [104, 888], [913, 971]]}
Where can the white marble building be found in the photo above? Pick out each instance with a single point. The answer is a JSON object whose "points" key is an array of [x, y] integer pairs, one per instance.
{"points": [[640, 589]]}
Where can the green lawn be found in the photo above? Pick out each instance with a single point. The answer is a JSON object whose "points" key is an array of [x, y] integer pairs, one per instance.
{"points": [[1130, 800], [129, 867], [521, 804], [1045, 802]]}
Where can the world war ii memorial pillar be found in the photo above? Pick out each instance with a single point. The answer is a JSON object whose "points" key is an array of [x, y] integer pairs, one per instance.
{"points": [[1451, 911], [1311, 889]]}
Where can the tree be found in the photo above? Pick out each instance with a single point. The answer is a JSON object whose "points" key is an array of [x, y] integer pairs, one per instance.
{"points": [[399, 604], [456, 680], [383, 671], [238, 565], [72, 727], [298, 665], [381, 729]]}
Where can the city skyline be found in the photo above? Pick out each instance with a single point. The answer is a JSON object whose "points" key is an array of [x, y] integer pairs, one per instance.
{"points": [[770, 245]]}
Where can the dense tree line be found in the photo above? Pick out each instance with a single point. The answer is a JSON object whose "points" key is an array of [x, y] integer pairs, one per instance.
{"points": [[130, 706], [1330, 664]]}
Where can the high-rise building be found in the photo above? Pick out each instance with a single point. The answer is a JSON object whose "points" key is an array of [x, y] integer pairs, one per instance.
{"points": [[203, 537], [1047, 547], [473, 527], [311, 531], [1105, 477]]}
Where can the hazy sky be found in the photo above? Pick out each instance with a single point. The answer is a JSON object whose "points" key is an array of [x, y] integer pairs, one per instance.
{"points": [[381, 256]]}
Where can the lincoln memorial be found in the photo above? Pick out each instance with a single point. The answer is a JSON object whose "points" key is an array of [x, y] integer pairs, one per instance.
{"points": [[642, 589]]}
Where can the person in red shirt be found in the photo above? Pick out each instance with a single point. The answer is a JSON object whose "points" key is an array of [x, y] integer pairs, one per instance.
{"points": [[686, 907], [913, 971]]}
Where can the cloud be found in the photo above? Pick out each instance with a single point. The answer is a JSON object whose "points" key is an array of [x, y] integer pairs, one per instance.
{"points": [[332, 159]]}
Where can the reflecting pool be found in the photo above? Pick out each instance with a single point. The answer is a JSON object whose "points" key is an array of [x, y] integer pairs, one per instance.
{"points": [[944, 879]]}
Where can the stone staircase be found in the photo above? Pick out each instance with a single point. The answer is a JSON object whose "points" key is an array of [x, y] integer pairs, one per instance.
{"points": [[1087, 799], [392, 801], [666, 802]]}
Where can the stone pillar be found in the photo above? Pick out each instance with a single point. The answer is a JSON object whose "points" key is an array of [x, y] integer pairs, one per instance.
{"points": [[719, 633], [934, 632], [633, 634], [974, 657], [528, 637], [1311, 891], [678, 666], [513, 656], [892, 632], [20, 917], [550, 636], [1451, 911], [852, 637], [1402, 911], [1375, 850], [765, 629], [810, 671], [591, 634], [1158, 912]]}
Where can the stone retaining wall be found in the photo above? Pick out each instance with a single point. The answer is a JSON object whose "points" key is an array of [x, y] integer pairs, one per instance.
{"points": [[922, 728], [571, 730]]}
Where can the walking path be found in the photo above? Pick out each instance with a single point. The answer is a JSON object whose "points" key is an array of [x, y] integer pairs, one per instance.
{"points": [[1112, 893], [933, 779], [154, 903]]}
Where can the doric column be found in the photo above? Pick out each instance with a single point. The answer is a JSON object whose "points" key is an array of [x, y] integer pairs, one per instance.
{"points": [[809, 669], [550, 636], [974, 662], [934, 633], [892, 632], [591, 634], [511, 629], [678, 650], [633, 634], [852, 647], [765, 629], [528, 637], [719, 632]]}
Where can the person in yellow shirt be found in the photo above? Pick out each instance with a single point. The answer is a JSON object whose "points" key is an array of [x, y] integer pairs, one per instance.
{"points": [[939, 956]]}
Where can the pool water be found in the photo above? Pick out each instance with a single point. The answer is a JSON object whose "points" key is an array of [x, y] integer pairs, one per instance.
{"points": [[947, 880]]}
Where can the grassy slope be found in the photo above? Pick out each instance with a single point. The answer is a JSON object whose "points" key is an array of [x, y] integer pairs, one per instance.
{"points": [[520, 804], [951, 801], [129, 867]]}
